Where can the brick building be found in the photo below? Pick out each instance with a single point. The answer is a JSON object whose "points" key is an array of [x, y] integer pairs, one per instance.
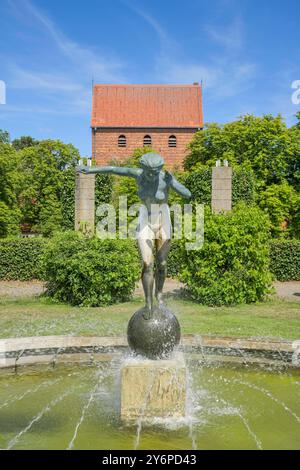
{"points": [[125, 117]]}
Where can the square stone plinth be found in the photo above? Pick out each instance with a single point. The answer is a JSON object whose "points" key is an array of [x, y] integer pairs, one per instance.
{"points": [[153, 389]]}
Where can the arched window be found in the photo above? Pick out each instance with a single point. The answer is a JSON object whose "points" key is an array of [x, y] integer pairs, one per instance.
{"points": [[121, 141], [147, 140], [172, 141]]}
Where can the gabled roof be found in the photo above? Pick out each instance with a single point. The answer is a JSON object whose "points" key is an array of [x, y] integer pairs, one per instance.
{"points": [[147, 106]]}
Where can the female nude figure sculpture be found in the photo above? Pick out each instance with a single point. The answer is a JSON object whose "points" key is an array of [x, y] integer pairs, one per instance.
{"points": [[154, 222]]}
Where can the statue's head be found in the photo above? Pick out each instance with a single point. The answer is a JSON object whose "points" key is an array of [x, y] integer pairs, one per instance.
{"points": [[152, 164]]}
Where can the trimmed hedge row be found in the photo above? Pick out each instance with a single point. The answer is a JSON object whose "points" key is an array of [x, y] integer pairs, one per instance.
{"points": [[20, 258], [243, 185], [285, 259]]}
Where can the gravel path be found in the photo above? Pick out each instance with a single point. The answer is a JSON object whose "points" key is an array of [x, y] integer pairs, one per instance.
{"points": [[288, 290], [14, 289]]}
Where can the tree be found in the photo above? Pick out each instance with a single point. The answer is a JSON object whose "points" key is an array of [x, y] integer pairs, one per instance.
{"points": [[43, 168], [282, 203], [50, 217], [4, 137], [264, 143], [9, 220], [23, 142], [9, 183]]}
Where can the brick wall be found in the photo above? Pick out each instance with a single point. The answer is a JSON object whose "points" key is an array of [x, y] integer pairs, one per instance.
{"points": [[105, 144]]}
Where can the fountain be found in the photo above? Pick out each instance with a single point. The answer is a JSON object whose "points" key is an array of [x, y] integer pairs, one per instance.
{"points": [[153, 331], [208, 392], [230, 404]]}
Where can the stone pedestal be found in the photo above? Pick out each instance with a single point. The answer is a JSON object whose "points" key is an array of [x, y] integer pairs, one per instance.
{"points": [[85, 203], [153, 388], [221, 194]]}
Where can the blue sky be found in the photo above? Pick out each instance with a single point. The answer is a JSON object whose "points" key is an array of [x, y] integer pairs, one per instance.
{"points": [[245, 51]]}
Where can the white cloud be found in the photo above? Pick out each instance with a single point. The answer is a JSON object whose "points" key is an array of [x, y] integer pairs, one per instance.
{"points": [[27, 79], [66, 87], [219, 80], [165, 41], [230, 37], [171, 71], [93, 64], [224, 76]]}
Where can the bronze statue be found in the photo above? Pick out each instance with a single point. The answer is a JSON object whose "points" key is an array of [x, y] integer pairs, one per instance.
{"points": [[154, 228]]}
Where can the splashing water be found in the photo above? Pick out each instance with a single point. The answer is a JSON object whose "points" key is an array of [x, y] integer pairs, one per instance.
{"points": [[47, 408], [227, 407]]}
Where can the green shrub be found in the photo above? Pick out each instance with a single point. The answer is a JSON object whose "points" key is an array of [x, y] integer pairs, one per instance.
{"points": [[90, 272], [20, 258], [285, 259], [233, 265]]}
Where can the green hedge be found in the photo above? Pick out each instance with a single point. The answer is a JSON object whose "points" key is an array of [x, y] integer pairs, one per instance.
{"points": [[285, 259], [243, 185], [20, 258]]}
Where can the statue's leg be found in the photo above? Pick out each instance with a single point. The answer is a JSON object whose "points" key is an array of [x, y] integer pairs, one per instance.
{"points": [[146, 249], [163, 243], [163, 248]]}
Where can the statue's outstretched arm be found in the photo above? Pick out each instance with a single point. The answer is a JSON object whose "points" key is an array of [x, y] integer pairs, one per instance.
{"points": [[115, 170], [178, 187]]}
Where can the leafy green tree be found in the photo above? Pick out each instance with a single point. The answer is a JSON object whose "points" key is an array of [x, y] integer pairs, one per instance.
{"points": [[9, 185], [293, 173], [265, 143], [282, 203], [4, 137], [44, 168], [50, 217], [23, 142], [9, 220]]}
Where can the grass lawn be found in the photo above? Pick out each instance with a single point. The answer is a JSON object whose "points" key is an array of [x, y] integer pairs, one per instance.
{"points": [[41, 317]]}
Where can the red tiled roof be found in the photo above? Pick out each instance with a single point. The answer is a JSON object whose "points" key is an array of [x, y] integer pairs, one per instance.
{"points": [[147, 106]]}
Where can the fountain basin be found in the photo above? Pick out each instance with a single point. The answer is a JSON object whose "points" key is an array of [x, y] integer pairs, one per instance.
{"points": [[242, 393], [228, 406], [15, 352]]}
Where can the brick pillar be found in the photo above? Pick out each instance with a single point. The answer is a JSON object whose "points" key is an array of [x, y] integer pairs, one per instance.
{"points": [[85, 203], [221, 194]]}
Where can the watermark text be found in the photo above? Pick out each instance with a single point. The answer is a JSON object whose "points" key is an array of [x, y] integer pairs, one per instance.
{"points": [[296, 95], [2, 92]]}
